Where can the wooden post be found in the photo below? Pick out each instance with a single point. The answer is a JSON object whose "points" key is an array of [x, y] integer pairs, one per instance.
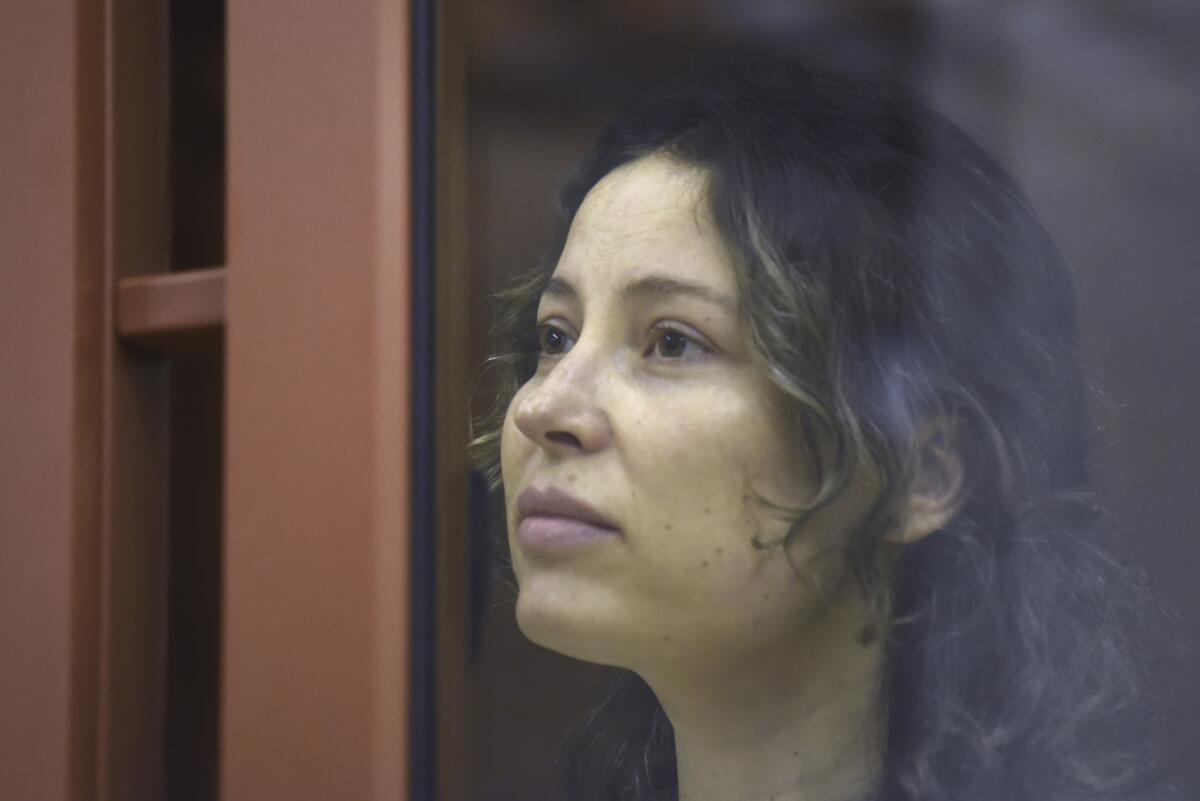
{"points": [[314, 702], [51, 274], [83, 487]]}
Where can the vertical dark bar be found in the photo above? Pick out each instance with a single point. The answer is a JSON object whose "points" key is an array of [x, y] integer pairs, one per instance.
{"points": [[197, 181], [197, 133], [424, 591], [194, 578]]}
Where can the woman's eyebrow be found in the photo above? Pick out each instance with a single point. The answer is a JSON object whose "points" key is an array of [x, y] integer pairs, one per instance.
{"points": [[651, 286]]}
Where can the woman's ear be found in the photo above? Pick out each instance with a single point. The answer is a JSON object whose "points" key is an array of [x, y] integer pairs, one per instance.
{"points": [[936, 493]]}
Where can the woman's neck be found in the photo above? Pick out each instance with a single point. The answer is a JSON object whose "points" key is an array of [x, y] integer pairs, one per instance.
{"points": [[803, 724]]}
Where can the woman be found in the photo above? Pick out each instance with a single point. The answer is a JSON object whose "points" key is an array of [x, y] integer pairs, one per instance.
{"points": [[794, 435]]}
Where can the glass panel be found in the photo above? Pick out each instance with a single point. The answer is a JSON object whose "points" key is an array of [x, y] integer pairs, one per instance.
{"points": [[1091, 107]]}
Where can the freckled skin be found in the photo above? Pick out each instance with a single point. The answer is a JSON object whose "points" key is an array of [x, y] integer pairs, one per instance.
{"points": [[659, 444]]}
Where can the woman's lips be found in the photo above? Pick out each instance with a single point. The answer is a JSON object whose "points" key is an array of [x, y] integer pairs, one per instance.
{"points": [[551, 520], [558, 534]]}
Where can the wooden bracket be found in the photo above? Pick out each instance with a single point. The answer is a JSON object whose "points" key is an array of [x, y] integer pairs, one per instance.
{"points": [[173, 314]]}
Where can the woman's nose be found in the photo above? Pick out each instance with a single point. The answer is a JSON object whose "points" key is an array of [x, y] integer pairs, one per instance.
{"points": [[559, 411]]}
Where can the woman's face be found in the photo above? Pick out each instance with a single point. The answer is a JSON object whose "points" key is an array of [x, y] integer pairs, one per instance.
{"points": [[647, 409]]}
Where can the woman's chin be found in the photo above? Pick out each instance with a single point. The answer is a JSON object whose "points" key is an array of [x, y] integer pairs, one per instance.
{"points": [[565, 627]]}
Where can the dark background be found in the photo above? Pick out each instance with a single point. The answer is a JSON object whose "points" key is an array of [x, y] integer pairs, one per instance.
{"points": [[1093, 104]]}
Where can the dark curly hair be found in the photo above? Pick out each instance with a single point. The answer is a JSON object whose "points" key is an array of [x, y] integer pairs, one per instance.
{"points": [[890, 272]]}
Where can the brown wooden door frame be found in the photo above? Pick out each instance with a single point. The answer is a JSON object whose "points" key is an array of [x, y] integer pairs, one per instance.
{"points": [[85, 439], [316, 650], [315, 300], [51, 276]]}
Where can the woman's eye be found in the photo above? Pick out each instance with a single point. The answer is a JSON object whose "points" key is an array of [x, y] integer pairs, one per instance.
{"points": [[553, 340], [672, 344], [668, 343]]}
